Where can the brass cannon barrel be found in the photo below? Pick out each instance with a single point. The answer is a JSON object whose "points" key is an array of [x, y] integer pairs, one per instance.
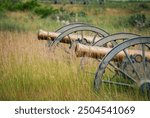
{"points": [[99, 52], [45, 35]]}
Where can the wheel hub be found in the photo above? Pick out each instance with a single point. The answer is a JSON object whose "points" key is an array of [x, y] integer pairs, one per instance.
{"points": [[140, 72]]}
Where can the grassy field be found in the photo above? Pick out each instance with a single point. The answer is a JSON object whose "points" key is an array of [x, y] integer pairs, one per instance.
{"points": [[30, 70]]}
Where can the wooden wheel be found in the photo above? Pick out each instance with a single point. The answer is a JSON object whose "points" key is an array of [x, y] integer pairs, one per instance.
{"points": [[133, 57]]}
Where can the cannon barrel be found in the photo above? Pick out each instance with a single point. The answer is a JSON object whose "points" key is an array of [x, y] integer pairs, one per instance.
{"points": [[99, 52], [45, 35]]}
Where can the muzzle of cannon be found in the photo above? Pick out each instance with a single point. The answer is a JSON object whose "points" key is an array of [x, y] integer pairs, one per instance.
{"points": [[99, 52]]}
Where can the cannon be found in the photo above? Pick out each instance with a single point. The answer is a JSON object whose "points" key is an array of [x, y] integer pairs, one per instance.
{"points": [[76, 32], [124, 58], [99, 52], [133, 63], [54, 36]]}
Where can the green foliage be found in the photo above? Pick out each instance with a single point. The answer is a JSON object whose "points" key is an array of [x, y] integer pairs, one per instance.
{"points": [[138, 20], [81, 14], [44, 12], [10, 5], [29, 5], [1, 8], [7, 4]]}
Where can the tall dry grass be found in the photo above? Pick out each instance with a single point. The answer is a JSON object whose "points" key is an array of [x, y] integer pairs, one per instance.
{"points": [[30, 70]]}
